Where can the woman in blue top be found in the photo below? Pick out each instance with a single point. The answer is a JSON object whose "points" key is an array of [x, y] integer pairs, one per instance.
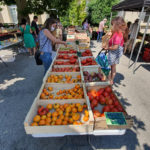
{"points": [[45, 40]]}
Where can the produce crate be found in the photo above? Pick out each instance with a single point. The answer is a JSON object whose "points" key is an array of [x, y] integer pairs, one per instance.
{"points": [[68, 55], [100, 122], [83, 51], [86, 127], [73, 74], [56, 88], [72, 67], [96, 70], [64, 61], [82, 58]]}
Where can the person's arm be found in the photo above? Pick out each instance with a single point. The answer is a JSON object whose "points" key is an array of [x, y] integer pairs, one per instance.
{"points": [[52, 38]]}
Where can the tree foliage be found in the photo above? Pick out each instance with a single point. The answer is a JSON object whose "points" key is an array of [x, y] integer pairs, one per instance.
{"points": [[26, 7], [75, 14], [100, 9]]}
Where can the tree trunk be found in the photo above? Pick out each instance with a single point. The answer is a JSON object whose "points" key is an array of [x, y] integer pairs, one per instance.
{"points": [[21, 5]]}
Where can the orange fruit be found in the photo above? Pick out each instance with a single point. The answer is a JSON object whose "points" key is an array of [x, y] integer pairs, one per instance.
{"points": [[66, 118], [80, 108], [50, 88], [42, 122], [70, 120], [37, 118], [34, 124], [68, 109], [85, 106], [48, 120], [43, 96], [58, 109], [74, 110], [66, 114], [56, 105], [61, 117], [53, 123], [78, 104], [49, 106], [49, 114], [64, 122], [72, 105], [66, 105], [76, 116], [54, 118], [55, 114], [60, 112], [85, 118], [43, 117], [47, 124], [58, 122], [86, 113], [75, 123]]}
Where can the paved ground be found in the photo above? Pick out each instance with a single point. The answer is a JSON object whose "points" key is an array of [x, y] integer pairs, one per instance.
{"points": [[19, 84]]}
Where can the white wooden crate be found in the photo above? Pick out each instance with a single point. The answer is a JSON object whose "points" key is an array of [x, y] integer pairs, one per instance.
{"points": [[97, 70]]}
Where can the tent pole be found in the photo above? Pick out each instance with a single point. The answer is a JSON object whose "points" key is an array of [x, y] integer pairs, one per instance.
{"points": [[141, 44], [133, 46]]}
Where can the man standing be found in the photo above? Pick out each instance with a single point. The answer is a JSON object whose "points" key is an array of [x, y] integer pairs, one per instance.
{"points": [[101, 30], [35, 28]]}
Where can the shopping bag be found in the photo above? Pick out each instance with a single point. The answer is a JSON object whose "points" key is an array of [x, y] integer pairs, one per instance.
{"points": [[102, 60]]}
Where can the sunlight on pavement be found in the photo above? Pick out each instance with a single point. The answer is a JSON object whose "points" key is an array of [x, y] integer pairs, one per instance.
{"points": [[8, 83]]}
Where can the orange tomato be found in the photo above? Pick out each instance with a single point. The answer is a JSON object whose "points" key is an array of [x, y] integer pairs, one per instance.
{"points": [[53, 123], [58, 122], [43, 117], [50, 88], [80, 108], [42, 122], [86, 113], [70, 120], [64, 122], [74, 110], [34, 124], [54, 118], [48, 120], [60, 112], [61, 117], [43, 96], [55, 114], [49, 106], [76, 116], [68, 109], [66, 118], [85, 118], [49, 114], [37, 118]]}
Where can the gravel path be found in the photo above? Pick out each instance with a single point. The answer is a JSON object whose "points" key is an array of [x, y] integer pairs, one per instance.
{"points": [[20, 82]]}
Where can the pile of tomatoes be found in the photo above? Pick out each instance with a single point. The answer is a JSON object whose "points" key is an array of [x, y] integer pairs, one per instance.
{"points": [[104, 96]]}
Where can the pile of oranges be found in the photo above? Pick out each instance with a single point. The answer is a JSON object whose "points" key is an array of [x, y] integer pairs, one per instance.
{"points": [[64, 114], [63, 79], [74, 93]]}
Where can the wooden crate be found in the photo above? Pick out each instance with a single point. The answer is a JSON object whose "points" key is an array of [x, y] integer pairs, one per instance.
{"points": [[82, 58], [64, 66], [97, 70], [57, 87], [56, 129], [64, 60], [73, 74], [100, 123]]}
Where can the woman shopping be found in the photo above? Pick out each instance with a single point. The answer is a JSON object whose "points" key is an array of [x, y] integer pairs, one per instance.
{"points": [[46, 39], [27, 36], [116, 43]]}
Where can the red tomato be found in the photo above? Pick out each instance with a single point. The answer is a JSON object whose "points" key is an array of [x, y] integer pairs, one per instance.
{"points": [[100, 91], [108, 89], [114, 110], [105, 93], [106, 109], [94, 102], [109, 101], [94, 93], [102, 100]]}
